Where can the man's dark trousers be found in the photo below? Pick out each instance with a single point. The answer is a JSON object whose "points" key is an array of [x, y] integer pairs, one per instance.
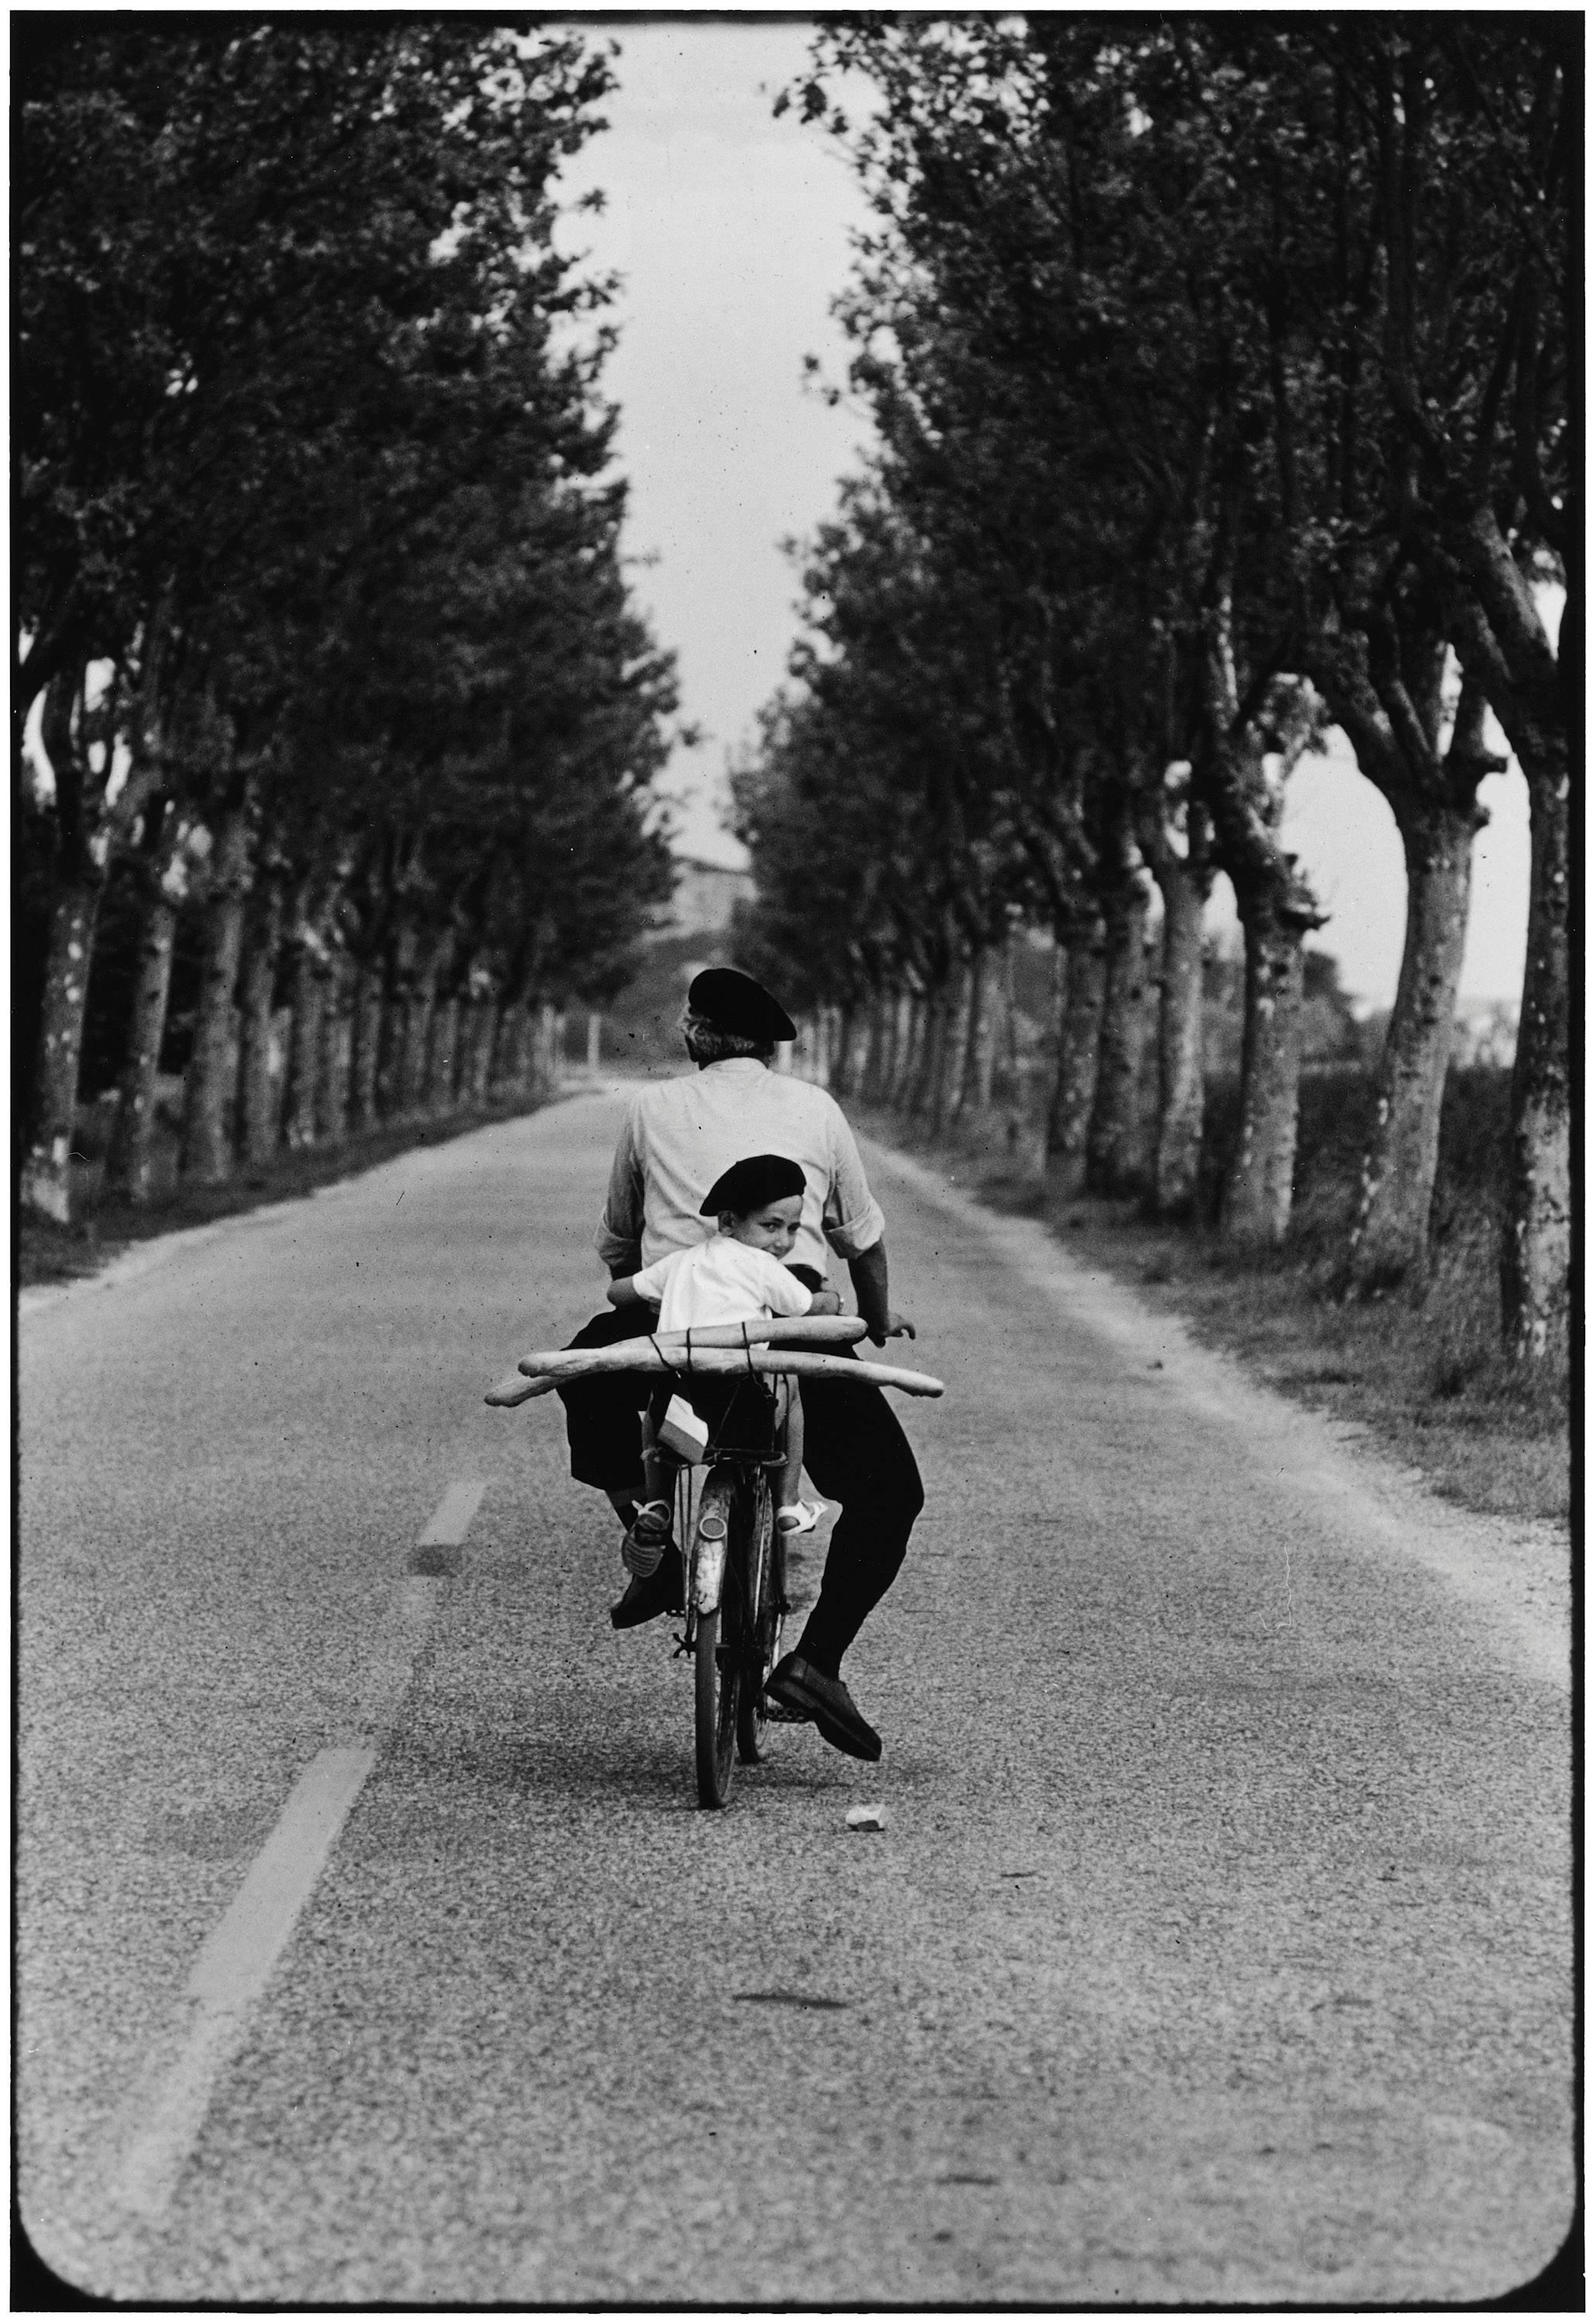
{"points": [[853, 1447]]}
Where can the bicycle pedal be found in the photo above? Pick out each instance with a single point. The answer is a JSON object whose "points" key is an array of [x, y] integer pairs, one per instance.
{"points": [[779, 1714]]}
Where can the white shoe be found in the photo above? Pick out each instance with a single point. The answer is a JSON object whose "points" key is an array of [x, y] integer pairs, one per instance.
{"points": [[800, 1516]]}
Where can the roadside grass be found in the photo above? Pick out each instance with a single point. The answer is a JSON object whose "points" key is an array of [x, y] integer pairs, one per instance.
{"points": [[104, 1226], [1421, 1371]]}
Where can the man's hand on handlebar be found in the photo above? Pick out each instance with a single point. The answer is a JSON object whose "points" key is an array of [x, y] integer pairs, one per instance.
{"points": [[896, 1327], [882, 1320]]}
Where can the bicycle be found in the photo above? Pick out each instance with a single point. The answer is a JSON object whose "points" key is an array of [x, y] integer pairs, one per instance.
{"points": [[734, 1594], [734, 1560]]}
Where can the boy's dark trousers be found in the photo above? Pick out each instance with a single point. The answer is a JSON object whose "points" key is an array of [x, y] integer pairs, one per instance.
{"points": [[853, 1448]]}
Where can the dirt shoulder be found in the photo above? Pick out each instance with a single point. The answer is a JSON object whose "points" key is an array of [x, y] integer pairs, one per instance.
{"points": [[1475, 1433]]}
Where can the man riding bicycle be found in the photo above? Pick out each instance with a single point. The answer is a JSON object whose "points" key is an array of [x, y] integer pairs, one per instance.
{"points": [[678, 1138]]}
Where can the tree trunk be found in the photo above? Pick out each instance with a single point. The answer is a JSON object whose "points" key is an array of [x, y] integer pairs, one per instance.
{"points": [[416, 1033], [509, 1034], [860, 1042], [904, 1049], [1536, 1239], [212, 1081], [1391, 1232], [842, 1057], [1082, 971], [595, 1038], [892, 1031], [974, 1089], [915, 1028], [259, 1126], [129, 1163], [885, 1064], [1257, 1205], [366, 1025], [443, 1059], [955, 1058], [46, 1173], [873, 1060], [536, 1038], [948, 1055], [337, 1046], [1179, 1040], [310, 988], [550, 1053], [1010, 1087], [478, 1057], [1114, 1156], [1535, 692], [922, 1096], [398, 1017]]}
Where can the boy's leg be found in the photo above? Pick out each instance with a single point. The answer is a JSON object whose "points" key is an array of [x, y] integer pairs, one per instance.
{"points": [[658, 1474], [646, 1536], [791, 1474]]}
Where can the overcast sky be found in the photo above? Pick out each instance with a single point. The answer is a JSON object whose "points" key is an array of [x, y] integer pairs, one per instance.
{"points": [[732, 231]]}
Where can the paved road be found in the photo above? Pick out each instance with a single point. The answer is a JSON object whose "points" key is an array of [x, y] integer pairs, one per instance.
{"points": [[1217, 1948]]}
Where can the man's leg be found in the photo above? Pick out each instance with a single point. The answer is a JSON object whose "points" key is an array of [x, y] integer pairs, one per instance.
{"points": [[858, 1454]]}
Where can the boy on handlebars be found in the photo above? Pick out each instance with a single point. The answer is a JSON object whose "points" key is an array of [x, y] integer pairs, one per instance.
{"points": [[735, 1277]]}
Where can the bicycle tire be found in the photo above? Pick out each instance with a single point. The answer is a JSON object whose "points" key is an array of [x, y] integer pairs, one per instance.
{"points": [[762, 1621], [717, 1661]]}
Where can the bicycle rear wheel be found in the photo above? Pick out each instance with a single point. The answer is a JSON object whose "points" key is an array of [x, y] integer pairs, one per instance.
{"points": [[717, 1662], [762, 1621]]}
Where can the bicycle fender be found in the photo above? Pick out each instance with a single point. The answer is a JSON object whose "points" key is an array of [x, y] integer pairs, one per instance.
{"points": [[708, 1564]]}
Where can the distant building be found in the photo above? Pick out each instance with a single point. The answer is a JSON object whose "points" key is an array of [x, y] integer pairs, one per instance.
{"points": [[706, 895]]}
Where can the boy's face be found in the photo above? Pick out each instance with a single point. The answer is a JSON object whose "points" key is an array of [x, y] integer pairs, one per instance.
{"points": [[773, 1226]]}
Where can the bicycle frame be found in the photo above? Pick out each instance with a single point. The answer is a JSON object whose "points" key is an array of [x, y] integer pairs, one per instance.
{"points": [[705, 1556]]}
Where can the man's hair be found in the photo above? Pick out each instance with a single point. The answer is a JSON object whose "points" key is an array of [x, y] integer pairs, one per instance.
{"points": [[708, 1043]]}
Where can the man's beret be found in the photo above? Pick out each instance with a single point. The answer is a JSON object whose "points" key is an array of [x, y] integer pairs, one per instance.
{"points": [[750, 1183], [737, 1005]]}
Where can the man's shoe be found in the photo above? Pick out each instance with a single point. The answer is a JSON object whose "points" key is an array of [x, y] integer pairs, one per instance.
{"points": [[801, 1690], [645, 1601]]}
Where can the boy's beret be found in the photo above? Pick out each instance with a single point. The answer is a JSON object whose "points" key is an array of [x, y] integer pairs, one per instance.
{"points": [[738, 1005], [750, 1183]]}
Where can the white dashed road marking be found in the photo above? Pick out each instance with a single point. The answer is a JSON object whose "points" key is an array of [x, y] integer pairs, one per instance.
{"points": [[235, 1963], [451, 1519]]}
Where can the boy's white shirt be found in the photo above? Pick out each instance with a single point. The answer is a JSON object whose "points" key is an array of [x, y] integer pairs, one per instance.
{"points": [[719, 1281]]}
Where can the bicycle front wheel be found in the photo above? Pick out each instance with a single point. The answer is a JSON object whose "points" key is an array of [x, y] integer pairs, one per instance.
{"points": [[717, 1667]]}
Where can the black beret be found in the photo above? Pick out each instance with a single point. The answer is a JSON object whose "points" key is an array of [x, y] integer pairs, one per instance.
{"points": [[737, 1005], [750, 1183]]}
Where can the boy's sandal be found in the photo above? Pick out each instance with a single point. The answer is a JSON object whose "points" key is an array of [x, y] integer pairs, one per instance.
{"points": [[799, 1516], [643, 1543]]}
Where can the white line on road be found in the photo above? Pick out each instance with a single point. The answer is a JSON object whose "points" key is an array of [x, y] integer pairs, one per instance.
{"points": [[182, 2072], [231, 1972], [451, 1519]]}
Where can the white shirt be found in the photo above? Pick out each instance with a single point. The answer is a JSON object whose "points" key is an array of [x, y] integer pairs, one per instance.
{"points": [[680, 1135], [720, 1281]]}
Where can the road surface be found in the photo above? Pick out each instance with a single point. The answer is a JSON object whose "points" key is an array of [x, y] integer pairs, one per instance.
{"points": [[371, 1946]]}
